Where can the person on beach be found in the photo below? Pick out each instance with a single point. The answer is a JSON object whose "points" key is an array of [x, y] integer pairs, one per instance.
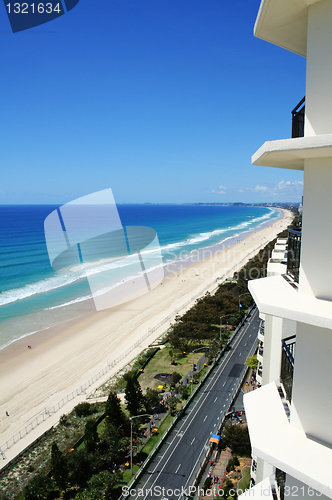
{"points": [[7, 413]]}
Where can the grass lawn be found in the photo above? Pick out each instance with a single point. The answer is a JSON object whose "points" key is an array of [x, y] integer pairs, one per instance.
{"points": [[245, 482], [155, 438], [127, 475], [161, 363]]}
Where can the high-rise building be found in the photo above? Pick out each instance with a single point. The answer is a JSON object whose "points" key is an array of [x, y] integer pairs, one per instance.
{"points": [[290, 415]]}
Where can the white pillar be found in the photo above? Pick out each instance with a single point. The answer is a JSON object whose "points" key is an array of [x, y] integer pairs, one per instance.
{"points": [[319, 69], [311, 395], [316, 245]]}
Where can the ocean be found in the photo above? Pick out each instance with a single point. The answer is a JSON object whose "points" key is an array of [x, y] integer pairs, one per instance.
{"points": [[34, 297]]}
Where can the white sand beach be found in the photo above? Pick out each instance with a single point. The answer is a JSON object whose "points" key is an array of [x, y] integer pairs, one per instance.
{"points": [[63, 359]]}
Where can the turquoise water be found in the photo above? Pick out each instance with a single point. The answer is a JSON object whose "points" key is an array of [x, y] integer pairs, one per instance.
{"points": [[33, 296]]}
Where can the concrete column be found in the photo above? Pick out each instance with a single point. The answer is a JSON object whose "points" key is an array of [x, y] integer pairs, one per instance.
{"points": [[319, 69], [316, 245], [311, 397]]}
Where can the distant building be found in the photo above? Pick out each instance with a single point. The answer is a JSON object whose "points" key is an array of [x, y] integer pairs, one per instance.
{"points": [[290, 416]]}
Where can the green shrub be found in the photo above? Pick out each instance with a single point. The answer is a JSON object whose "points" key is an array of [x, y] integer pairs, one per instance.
{"points": [[207, 483], [83, 409]]}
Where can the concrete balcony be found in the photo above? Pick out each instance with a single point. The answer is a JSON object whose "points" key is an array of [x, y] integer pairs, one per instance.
{"points": [[265, 489], [275, 441], [291, 153], [275, 296]]}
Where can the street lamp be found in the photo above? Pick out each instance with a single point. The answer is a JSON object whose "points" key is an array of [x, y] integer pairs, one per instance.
{"points": [[131, 438], [243, 294], [221, 317], [192, 373]]}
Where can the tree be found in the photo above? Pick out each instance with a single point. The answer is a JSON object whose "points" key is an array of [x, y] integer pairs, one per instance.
{"points": [[151, 399], [252, 362], [80, 467], [172, 403], [59, 468], [237, 437], [113, 411], [102, 486], [134, 396], [110, 442], [175, 378], [91, 436], [184, 391], [38, 488]]}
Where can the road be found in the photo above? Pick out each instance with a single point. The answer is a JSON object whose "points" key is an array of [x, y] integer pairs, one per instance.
{"points": [[170, 473]]}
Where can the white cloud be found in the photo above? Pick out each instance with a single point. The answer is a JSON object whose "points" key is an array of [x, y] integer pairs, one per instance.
{"points": [[220, 190], [282, 188]]}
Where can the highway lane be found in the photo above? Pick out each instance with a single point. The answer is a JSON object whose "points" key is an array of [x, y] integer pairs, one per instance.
{"points": [[171, 469]]}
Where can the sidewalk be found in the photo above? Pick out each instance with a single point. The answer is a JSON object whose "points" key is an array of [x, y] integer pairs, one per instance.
{"points": [[218, 471]]}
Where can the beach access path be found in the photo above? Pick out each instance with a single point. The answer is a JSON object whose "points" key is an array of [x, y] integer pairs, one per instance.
{"points": [[33, 381]]}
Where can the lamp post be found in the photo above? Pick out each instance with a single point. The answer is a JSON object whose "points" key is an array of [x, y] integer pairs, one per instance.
{"points": [[192, 373], [221, 317], [243, 294], [131, 438]]}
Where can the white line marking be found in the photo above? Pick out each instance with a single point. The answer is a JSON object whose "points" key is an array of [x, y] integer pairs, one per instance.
{"points": [[224, 384], [205, 418], [197, 406], [192, 441], [240, 354], [215, 399], [178, 468]]}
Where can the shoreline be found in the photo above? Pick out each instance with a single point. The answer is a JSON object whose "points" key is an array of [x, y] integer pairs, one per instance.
{"points": [[71, 353], [18, 346]]}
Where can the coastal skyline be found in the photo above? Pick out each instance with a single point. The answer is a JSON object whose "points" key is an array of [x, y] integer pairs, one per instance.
{"points": [[162, 102]]}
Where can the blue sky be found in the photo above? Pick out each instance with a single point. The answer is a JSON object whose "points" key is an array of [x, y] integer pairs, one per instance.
{"points": [[160, 100]]}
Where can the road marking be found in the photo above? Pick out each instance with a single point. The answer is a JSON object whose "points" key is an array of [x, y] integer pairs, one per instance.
{"points": [[192, 441], [178, 468], [240, 354], [197, 406], [224, 384], [205, 418], [215, 399]]}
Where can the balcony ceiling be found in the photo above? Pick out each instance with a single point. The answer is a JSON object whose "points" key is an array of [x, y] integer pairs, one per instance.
{"points": [[284, 23], [291, 153]]}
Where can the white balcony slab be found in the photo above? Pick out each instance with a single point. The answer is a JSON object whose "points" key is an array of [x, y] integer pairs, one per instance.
{"points": [[262, 489], [291, 153], [275, 296], [274, 440]]}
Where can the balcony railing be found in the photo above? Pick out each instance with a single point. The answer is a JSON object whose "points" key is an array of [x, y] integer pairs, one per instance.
{"points": [[298, 119], [293, 254], [262, 327], [287, 364]]}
